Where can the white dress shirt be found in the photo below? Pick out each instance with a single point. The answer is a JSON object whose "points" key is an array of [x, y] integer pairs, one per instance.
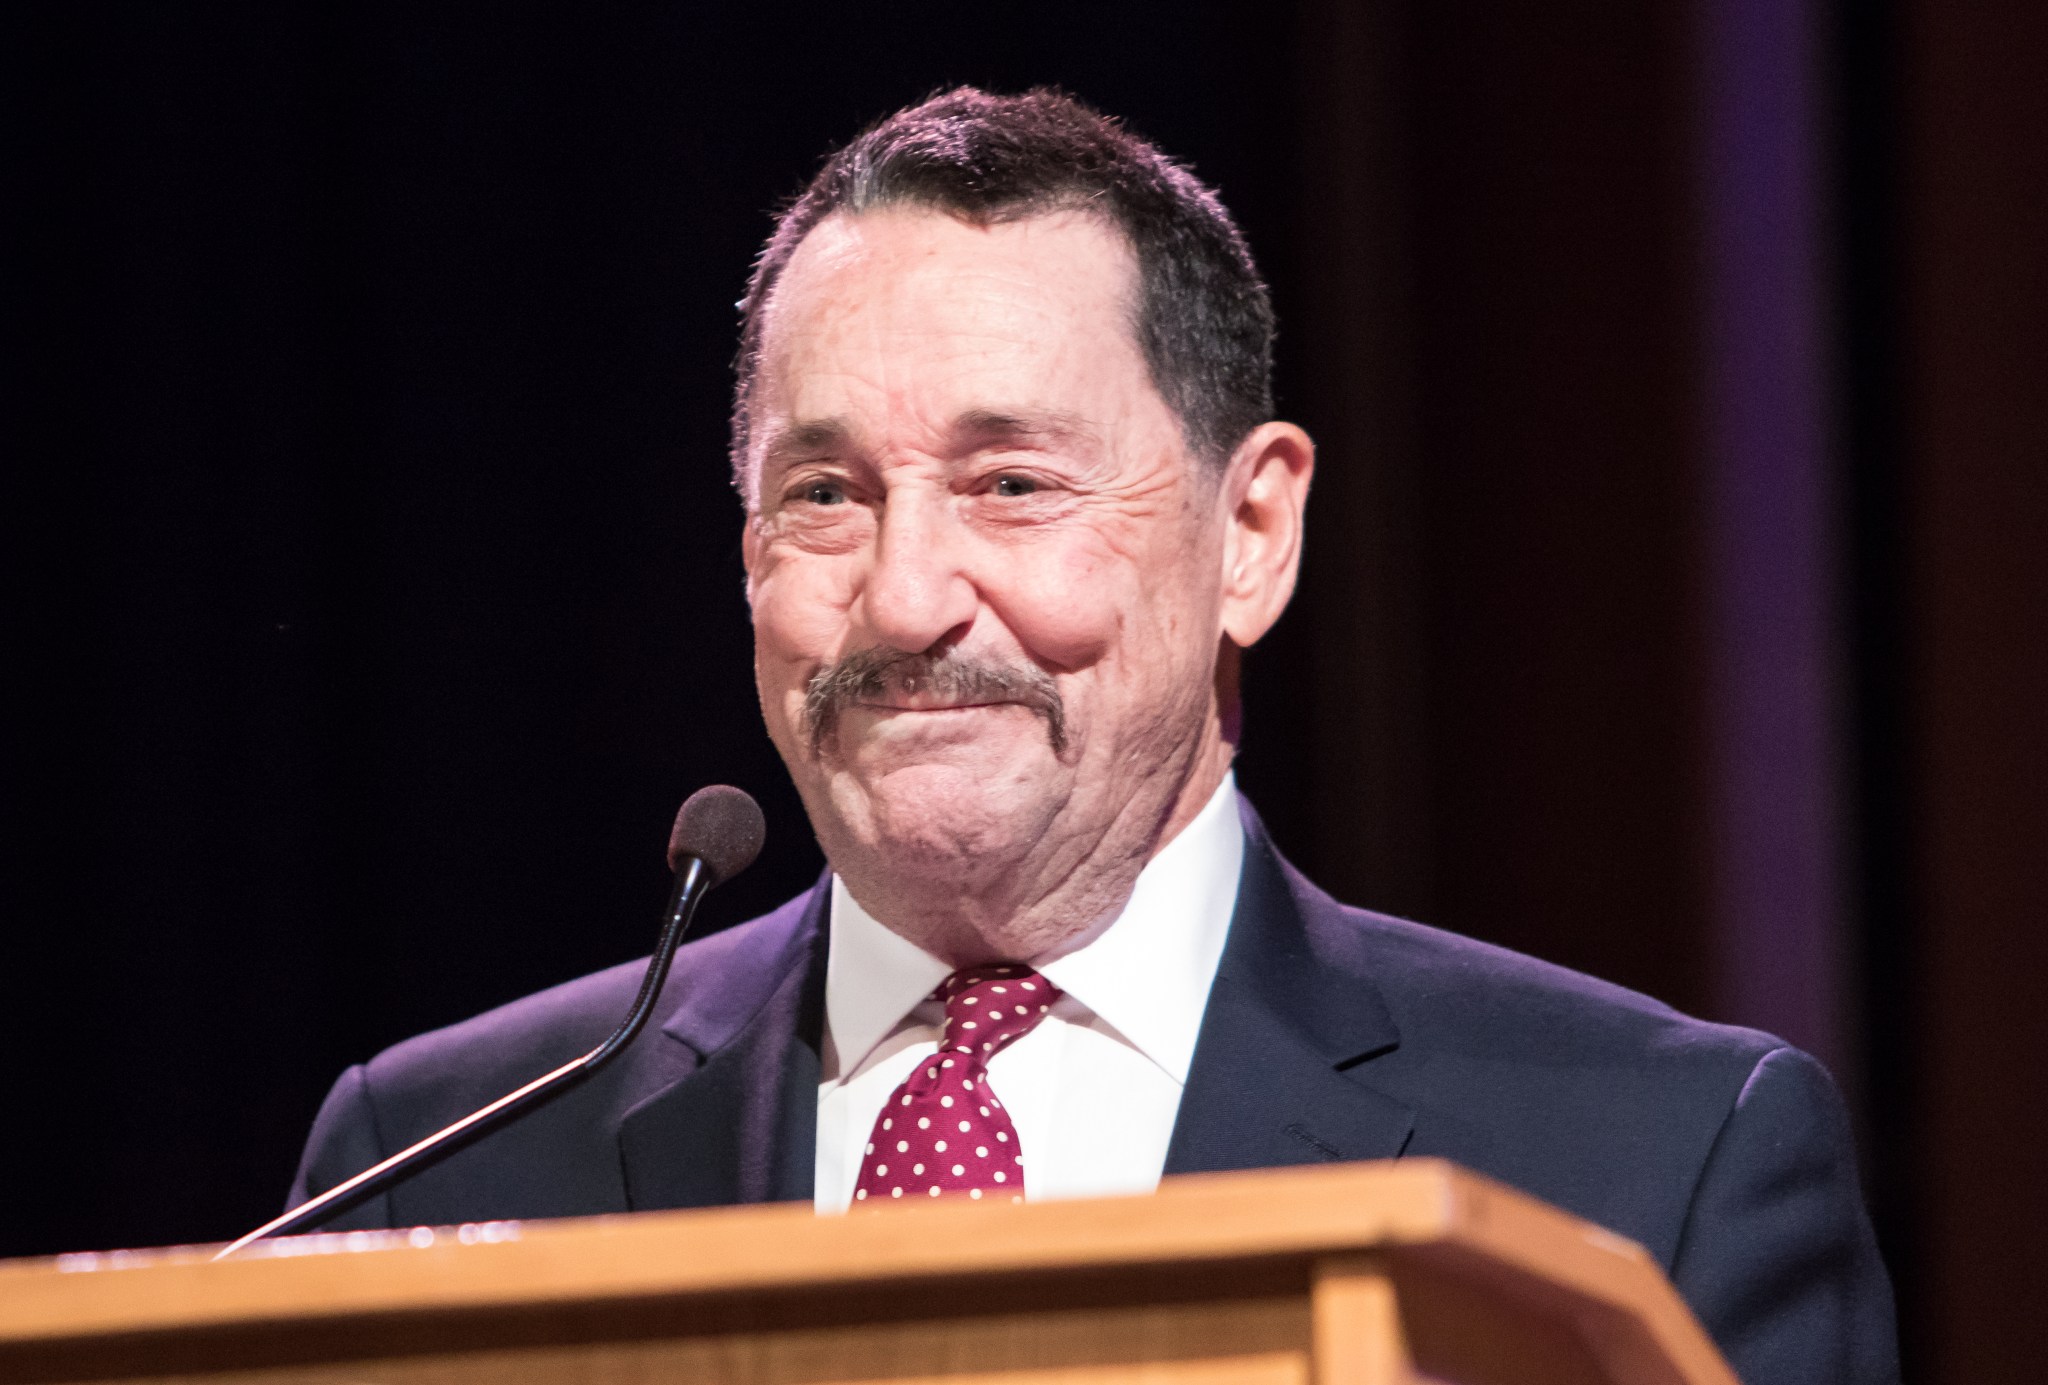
{"points": [[1094, 1089]]}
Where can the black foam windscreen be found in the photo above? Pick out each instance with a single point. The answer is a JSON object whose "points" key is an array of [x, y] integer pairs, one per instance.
{"points": [[721, 826]]}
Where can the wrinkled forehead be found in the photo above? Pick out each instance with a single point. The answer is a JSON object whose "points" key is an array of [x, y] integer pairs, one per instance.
{"points": [[890, 324]]}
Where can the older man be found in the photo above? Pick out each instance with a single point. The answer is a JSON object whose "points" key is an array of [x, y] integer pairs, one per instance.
{"points": [[1015, 501]]}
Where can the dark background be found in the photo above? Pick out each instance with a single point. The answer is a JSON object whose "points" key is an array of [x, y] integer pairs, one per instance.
{"points": [[1672, 606]]}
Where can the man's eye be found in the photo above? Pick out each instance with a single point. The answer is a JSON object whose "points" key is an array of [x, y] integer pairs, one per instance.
{"points": [[824, 493], [1015, 485]]}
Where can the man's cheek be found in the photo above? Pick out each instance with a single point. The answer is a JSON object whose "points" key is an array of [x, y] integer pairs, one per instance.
{"points": [[800, 613], [1068, 635], [1067, 613]]}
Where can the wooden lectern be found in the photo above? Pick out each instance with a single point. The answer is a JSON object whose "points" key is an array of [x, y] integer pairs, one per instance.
{"points": [[1359, 1274]]}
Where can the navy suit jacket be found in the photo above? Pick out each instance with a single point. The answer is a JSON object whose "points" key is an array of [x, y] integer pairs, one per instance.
{"points": [[1331, 1033]]}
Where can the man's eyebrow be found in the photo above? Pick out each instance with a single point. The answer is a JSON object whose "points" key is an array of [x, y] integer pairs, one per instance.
{"points": [[974, 430], [796, 442], [993, 427]]}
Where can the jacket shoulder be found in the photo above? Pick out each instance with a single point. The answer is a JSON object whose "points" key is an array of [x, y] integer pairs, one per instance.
{"points": [[1724, 1151], [1486, 1001]]}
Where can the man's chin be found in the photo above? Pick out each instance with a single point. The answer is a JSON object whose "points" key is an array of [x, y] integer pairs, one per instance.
{"points": [[923, 814]]}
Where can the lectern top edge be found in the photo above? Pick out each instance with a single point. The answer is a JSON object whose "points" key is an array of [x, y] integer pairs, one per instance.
{"points": [[1416, 1204]]}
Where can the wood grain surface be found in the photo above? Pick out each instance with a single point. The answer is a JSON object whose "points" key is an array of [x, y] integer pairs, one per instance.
{"points": [[1362, 1274]]}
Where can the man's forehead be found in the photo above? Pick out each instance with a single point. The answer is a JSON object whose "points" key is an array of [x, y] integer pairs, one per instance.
{"points": [[905, 272], [1013, 332]]}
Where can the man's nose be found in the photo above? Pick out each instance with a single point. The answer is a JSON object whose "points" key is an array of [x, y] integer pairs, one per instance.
{"points": [[917, 591]]}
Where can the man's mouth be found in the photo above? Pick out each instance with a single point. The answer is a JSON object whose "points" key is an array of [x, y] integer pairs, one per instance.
{"points": [[929, 704]]}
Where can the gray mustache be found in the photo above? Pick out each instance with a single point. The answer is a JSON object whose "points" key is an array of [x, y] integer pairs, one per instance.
{"points": [[867, 674]]}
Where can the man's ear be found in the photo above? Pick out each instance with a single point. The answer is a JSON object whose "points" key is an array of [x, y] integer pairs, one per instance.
{"points": [[1265, 493]]}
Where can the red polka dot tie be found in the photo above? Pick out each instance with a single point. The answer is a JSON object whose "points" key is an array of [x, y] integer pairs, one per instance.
{"points": [[943, 1131]]}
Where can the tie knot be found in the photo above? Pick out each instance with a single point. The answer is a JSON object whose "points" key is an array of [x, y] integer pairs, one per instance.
{"points": [[989, 1008]]}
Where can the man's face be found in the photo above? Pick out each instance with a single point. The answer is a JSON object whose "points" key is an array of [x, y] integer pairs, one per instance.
{"points": [[977, 546]]}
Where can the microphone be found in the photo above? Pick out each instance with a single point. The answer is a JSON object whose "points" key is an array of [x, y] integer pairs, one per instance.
{"points": [[718, 833]]}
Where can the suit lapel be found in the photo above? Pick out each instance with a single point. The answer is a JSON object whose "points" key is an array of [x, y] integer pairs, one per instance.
{"points": [[731, 1104], [1281, 1072]]}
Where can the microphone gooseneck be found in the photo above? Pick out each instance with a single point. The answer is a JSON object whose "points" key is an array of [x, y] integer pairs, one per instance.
{"points": [[717, 834]]}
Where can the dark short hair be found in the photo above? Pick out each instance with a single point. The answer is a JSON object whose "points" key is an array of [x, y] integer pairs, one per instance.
{"points": [[1203, 317]]}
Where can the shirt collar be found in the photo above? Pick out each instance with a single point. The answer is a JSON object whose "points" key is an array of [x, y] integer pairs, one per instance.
{"points": [[1146, 973], [873, 978]]}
